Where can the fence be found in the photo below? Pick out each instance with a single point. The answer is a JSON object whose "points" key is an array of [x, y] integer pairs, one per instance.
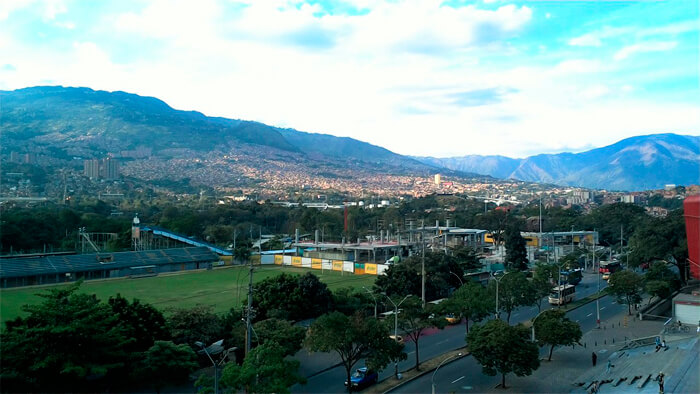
{"points": [[353, 267]]}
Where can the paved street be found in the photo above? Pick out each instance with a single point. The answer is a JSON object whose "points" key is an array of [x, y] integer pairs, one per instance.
{"points": [[437, 342], [465, 375]]}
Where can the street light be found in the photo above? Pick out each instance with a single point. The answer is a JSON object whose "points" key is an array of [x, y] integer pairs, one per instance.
{"points": [[396, 328], [216, 366], [374, 298], [432, 380], [457, 276], [498, 314], [533, 323]]}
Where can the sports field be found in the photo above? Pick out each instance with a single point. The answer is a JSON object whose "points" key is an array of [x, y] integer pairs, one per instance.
{"points": [[221, 288]]}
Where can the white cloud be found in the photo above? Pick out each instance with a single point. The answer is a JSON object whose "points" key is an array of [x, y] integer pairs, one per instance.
{"points": [[657, 46], [9, 6], [415, 77]]}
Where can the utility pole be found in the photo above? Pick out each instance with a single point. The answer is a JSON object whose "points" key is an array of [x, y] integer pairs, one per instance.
{"points": [[422, 240], [597, 300], [249, 310]]}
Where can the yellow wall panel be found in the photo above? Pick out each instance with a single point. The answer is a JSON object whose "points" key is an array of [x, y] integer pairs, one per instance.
{"points": [[296, 261], [316, 264], [337, 265]]}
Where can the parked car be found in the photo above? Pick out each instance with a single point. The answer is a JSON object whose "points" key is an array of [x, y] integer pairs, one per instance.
{"points": [[363, 377], [397, 338], [452, 319]]}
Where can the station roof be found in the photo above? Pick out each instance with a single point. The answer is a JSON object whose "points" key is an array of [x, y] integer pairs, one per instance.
{"points": [[48, 265], [348, 246]]}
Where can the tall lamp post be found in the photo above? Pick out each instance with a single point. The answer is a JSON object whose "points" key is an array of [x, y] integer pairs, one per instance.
{"points": [[374, 298], [498, 280], [432, 380], [214, 363], [461, 282], [533, 323], [396, 327]]}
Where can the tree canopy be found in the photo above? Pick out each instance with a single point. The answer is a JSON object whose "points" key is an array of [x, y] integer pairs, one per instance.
{"points": [[516, 254], [69, 342], [470, 302], [304, 296], [553, 328], [501, 348], [265, 370], [414, 319], [354, 338], [627, 287]]}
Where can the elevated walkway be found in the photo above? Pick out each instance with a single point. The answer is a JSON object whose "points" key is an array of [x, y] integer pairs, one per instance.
{"points": [[186, 240]]}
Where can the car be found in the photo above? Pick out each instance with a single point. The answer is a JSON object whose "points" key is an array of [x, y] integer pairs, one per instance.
{"points": [[363, 377], [452, 319], [397, 338], [606, 276]]}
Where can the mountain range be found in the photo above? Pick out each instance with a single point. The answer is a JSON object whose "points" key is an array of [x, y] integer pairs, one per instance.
{"points": [[65, 122], [636, 163]]}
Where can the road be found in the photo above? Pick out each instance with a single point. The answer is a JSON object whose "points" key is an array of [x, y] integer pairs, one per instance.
{"points": [[437, 342], [464, 375]]}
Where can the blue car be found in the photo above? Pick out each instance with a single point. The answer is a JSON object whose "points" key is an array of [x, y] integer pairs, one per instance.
{"points": [[363, 377]]}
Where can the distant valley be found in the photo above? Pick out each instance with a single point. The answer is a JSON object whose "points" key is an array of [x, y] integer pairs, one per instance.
{"points": [[163, 146]]}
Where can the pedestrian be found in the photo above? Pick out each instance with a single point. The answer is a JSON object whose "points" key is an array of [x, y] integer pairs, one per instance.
{"points": [[594, 388], [594, 358], [610, 365], [661, 382]]}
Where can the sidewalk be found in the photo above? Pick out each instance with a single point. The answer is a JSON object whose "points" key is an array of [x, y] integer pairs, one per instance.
{"points": [[568, 364]]}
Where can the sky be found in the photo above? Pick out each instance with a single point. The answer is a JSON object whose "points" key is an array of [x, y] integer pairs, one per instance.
{"points": [[429, 78]]}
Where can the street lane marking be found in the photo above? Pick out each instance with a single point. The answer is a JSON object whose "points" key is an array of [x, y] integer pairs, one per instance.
{"points": [[602, 308], [441, 342], [590, 314], [455, 381]]}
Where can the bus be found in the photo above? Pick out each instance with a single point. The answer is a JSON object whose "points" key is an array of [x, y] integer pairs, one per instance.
{"points": [[568, 293], [572, 277], [608, 268]]}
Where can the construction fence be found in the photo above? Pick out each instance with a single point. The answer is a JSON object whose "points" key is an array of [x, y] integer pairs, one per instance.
{"points": [[324, 264]]}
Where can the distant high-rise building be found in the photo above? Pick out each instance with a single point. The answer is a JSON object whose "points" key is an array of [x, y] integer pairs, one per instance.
{"points": [[14, 157], [101, 169], [91, 168], [437, 179], [110, 168]]}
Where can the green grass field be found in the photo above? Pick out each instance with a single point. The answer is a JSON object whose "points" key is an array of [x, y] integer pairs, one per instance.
{"points": [[220, 288]]}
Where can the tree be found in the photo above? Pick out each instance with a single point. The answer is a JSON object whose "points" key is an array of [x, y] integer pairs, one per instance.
{"points": [[143, 325], [282, 332], [514, 290], [354, 338], [501, 348], [348, 301], [404, 278], [265, 370], [516, 254], [141, 322], [69, 342], [414, 319], [166, 363], [199, 323], [305, 296], [660, 281], [470, 302], [541, 288], [553, 328], [661, 239], [467, 258], [627, 287]]}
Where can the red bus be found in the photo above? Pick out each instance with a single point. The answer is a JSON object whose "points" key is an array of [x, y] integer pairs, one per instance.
{"points": [[607, 268]]}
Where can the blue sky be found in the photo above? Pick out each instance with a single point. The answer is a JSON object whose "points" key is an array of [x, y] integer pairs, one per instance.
{"points": [[439, 78]]}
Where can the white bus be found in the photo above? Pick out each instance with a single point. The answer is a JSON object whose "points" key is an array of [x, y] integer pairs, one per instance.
{"points": [[568, 293]]}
